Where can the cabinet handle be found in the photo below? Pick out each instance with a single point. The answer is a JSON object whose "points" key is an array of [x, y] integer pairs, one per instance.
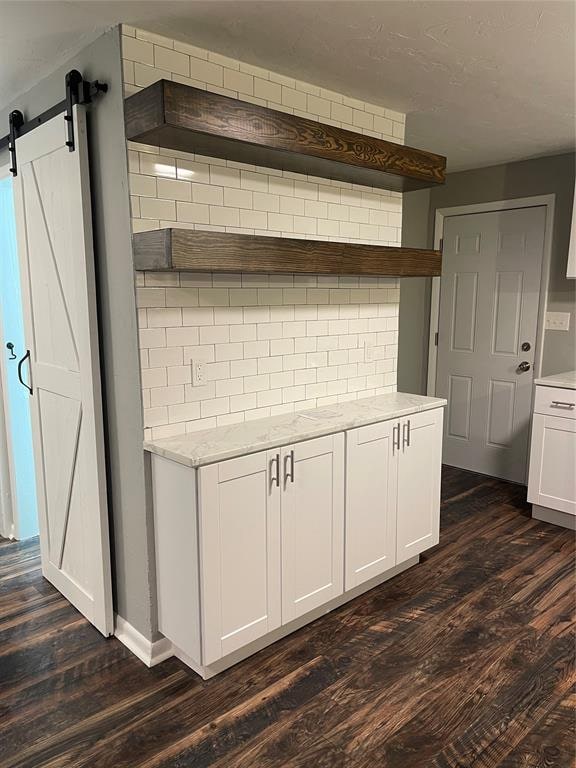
{"points": [[396, 437], [275, 471], [406, 434], [563, 404], [289, 473]]}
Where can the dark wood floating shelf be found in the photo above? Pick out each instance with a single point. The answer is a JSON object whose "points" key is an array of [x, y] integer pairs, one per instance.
{"points": [[176, 116], [203, 251]]}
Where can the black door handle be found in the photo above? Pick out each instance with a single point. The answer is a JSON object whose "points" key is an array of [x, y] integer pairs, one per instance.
{"points": [[20, 364], [10, 348]]}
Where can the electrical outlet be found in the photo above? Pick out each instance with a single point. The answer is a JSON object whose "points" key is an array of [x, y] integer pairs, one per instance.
{"points": [[198, 373], [557, 321], [369, 352]]}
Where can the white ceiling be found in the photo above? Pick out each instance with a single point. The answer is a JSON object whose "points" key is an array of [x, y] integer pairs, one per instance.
{"points": [[483, 82]]}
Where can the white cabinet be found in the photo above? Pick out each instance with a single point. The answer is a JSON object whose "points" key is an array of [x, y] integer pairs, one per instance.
{"points": [[239, 535], [312, 524], [371, 482], [392, 493], [251, 548], [552, 481], [419, 466], [552, 476], [269, 519]]}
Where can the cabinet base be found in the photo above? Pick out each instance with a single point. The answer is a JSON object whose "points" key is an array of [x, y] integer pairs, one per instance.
{"points": [[206, 672], [553, 516]]}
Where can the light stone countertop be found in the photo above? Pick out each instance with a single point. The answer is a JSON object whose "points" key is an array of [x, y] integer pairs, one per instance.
{"points": [[566, 380], [195, 449]]}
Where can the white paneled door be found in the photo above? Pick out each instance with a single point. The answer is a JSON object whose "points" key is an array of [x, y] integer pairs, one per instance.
{"points": [[52, 199], [491, 268]]}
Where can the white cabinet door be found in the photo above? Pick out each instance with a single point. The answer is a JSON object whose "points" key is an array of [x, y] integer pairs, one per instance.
{"points": [[312, 524], [239, 514], [371, 486], [552, 480], [419, 467]]}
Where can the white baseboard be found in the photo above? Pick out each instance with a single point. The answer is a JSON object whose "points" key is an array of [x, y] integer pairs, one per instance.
{"points": [[147, 651]]}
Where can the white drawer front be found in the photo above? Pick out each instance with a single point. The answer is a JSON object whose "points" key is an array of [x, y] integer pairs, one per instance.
{"points": [[555, 401]]}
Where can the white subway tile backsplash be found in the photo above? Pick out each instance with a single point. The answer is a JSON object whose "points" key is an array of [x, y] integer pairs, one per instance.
{"points": [[243, 402], [214, 297], [217, 334], [181, 337], [142, 186], [154, 208], [138, 51], [193, 213], [226, 217], [159, 357], [227, 387], [253, 219], [167, 395], [182, 297], [151, 338], [204, 353], [196, 394], [207, 72], [215, 407], [232, 351], [269, 364], [172, 189], [238, 198], [271, 344], [257, 349], [183, 412], [178, 374], [164, 317], [173, 61]]}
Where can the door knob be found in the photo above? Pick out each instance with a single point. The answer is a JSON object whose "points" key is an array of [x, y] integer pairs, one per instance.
{"points": [[524, 366]]}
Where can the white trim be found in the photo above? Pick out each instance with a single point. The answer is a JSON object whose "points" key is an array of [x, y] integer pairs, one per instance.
{"points": [[151, 653], [8, 506], [548, 201]]}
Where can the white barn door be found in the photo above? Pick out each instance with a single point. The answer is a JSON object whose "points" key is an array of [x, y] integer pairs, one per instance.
{"points": [[52, 199]]}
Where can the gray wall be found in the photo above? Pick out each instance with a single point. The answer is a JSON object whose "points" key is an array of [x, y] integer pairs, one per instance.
{"points": [[543, 176], [131, 520], [414, 316]]}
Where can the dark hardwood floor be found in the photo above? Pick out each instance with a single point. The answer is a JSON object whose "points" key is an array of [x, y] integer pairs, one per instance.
{"points": [[465, 660]]}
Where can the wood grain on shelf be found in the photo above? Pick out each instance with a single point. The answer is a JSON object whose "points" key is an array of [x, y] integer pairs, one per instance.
{"points": [[204, 251], [177, 116]]}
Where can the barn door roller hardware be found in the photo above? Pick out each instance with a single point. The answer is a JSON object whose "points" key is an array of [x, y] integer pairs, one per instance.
{"points": [[15, 123], [78, 91]]}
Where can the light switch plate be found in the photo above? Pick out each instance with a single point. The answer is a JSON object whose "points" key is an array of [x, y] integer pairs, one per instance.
{"points": [[557, 321]]}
